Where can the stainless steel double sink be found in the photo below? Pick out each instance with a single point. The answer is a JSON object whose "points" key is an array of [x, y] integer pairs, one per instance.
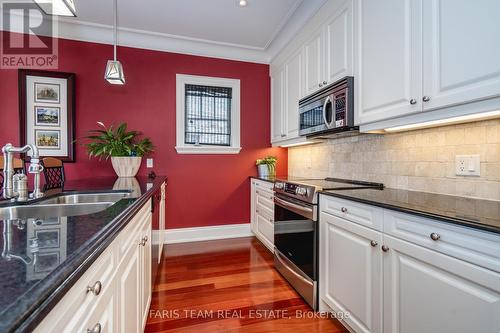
{"points": [[71, 204]]}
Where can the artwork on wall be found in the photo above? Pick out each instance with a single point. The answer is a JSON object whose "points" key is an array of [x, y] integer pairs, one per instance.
{"points": [[47, 112]]}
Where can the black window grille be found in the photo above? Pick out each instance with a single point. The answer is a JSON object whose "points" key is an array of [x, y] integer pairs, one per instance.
{"points": [[207, 115]]}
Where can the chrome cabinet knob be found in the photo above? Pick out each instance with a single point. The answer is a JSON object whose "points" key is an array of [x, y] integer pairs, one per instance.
{"points": [[320, 85], [373, 243], [324, 83], [343, 210], [413, 101], [385, 248], [95, 289], [426, 98], [435, 237], [96, 329]]}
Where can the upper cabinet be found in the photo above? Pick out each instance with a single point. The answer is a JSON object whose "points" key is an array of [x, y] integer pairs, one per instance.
{"points": [[321, 54], [414, 56]]}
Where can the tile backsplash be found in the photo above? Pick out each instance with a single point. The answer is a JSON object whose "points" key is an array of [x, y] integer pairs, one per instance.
{"points": [[422, 160]]}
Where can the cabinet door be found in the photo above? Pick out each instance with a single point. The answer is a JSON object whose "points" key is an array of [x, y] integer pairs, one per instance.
{"points": [[253, 221], [351, 272], [313, 66], [277, 97], [145, 284], [293, 74], [265, 231], [426, 291], [102, 316], [339, 43], [128, 290], [461, 52], [389, 68]]}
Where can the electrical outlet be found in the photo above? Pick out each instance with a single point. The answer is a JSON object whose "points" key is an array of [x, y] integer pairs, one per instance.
{"points": [[467, 165], [149, 163]]}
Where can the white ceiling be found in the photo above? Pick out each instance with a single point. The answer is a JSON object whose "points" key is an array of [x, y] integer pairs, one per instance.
{"points": [[214, 28], [217, 21]]}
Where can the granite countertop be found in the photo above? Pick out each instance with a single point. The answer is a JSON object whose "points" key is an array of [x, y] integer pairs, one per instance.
{"points": [[475, 213], [65, 245]]}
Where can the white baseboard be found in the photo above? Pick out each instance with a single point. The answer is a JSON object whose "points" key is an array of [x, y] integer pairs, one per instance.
{"points": [[185, 235]]}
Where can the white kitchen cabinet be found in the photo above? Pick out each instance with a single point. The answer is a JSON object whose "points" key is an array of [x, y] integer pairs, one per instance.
{"points": [[420, 275], [388, 77], [123, 271], [277, 106], [461, 51], [339, 43], [351, 272], [313, 62], [145, 271], [425, 291], [262, 212], [293, 93], [416, 56]]}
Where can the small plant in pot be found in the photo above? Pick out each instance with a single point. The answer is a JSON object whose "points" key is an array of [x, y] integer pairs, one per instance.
{"points": [[266, 167], [125, 148]]}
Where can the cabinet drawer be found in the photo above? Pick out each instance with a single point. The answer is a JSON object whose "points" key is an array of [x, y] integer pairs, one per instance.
{"points": [[128, 234], [263, 185], [265, 229], [366, 215], [477, 247], [75, 305]]}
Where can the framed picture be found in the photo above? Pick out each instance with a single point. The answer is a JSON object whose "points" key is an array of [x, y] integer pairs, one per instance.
{"points": [[47, 93], [47, 112], [47, 116]]}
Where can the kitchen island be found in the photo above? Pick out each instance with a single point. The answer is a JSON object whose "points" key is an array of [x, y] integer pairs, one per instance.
{"points": [[44, 256]]}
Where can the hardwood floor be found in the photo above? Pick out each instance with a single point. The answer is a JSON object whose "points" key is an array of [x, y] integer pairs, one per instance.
{"points": [[227, 286]]}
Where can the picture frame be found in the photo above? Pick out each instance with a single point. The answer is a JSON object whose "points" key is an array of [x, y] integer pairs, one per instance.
{"points": [[47, 112]]}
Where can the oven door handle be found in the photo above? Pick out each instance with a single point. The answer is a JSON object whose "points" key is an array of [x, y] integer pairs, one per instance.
{"points": [[304, 211]]}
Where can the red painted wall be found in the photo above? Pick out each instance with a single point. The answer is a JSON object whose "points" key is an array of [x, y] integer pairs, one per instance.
{"points": [[202, 190]]}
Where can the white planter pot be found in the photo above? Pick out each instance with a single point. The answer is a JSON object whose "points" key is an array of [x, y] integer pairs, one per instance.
{"points": [[126, 166]]}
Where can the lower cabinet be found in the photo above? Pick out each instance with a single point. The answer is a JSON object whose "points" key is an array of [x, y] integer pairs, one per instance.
{"points": [[262, 212], [351, 272], [114, 294], [391, 285]]}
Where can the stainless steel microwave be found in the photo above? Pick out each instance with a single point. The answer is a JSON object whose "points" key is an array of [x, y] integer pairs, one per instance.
{"points": [[330, 110]]}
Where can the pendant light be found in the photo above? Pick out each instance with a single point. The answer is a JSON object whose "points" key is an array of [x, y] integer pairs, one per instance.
{"points": [[57, 7], [114, 69]]}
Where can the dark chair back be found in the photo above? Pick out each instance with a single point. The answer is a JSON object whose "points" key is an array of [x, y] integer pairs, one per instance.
{"points": [[53, 171]]}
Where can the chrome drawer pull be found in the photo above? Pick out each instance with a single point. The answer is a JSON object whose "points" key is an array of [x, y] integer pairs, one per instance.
{"points": [[95, 289], [343, 210], [435, 237], [96, 329], [385, 248], [373, 243]]}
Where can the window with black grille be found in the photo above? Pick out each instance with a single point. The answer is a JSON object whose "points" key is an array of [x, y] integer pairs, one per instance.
{"points": [[207, 115]]}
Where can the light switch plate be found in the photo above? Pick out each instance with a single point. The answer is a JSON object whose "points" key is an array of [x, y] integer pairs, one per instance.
{"points": [[467, 165], [149, 163]]}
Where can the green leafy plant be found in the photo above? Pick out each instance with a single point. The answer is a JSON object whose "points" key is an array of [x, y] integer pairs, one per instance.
{"points": [[270, 161], [111, 141]]}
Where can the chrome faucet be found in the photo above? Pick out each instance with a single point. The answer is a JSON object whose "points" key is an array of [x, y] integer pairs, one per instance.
{"points": [[8, 171]]}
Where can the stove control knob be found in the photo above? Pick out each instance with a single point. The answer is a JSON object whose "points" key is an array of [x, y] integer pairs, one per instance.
{"points": [[301, 191], [279, 185]]}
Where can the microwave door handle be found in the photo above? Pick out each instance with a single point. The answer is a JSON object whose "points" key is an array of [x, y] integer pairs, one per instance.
{"points": [[327, 99]]}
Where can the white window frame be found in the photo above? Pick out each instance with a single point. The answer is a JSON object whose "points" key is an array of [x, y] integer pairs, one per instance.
{"points": [[184, 148]]}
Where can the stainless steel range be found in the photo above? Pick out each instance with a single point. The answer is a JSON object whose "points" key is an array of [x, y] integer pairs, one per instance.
{"points": [[296, 229]]}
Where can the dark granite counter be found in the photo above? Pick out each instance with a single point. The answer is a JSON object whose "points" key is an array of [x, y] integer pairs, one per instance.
{"points": [[65, 247], [474, 213]]}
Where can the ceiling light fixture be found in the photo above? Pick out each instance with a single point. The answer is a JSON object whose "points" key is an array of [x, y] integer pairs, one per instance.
{"points": [[448, 121], [114, 69], [57, 7], [243, 3]]}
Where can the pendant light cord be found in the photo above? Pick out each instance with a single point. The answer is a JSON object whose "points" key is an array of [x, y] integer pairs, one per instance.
{"points": [[115, 32]]}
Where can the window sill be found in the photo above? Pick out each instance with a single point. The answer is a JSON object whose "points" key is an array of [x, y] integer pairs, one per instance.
{"points": [[207, 150]]}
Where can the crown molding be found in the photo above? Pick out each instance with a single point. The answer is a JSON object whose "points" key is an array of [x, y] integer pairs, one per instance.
{"points": [[295, 19]]}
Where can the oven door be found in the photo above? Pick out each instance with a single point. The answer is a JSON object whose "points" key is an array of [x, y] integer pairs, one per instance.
{"points": [[295, 233]]}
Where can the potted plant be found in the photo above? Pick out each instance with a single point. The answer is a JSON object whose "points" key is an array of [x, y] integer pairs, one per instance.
{"points": [[266, 167], [124, 147]]}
